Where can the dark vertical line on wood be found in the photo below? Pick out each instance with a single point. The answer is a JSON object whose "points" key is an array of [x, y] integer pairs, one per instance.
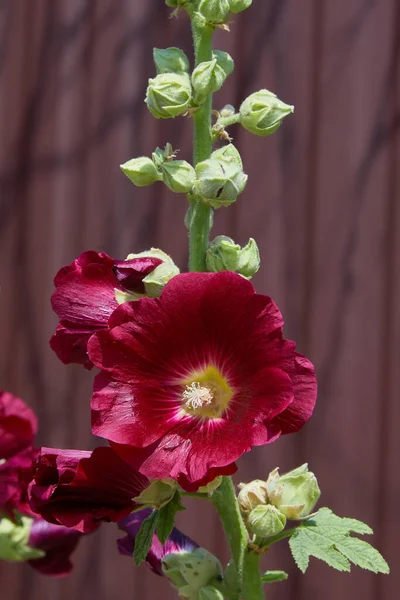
{"points": [[382, 479]]}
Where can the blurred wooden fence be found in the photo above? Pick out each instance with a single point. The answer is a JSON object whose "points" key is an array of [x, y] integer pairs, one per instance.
{"points": [[322, 202]]}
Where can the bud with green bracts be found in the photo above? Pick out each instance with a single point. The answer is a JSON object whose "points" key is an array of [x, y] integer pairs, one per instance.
{"points": [[178, 175], [237, 6], [191, 571], [157, 494], [218, 184], [224, 60], [224, 255], [265, 521], [141, 171], [168, 95], [14, 538], [214, 11], [295, 493], [251, 495], [208, 77], [171, 60], [262, 113]]}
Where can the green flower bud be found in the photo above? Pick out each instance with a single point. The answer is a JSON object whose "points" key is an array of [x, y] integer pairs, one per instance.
{"points": [[229, 156], [266, 520], [251, 495], [178, 175], [294, 493], [191, 571], [208, 77], [224, 60], [14, 538], [262, 112], [224, 255], [168, 95], [158, 493], [155, 281], [238, 5], [219, 183], [210, 593], [141, 171], [171, 60], [227, 111], [214, 11]]}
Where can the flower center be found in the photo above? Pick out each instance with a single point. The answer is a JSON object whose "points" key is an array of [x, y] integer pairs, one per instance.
{"points": [[207, 393]]}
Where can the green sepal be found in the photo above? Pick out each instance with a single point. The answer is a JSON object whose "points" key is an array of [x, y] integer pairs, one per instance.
{"points": [[144, 538], [274, 576], [224, 60], [237, 6], [170, 60], [166, 517]]}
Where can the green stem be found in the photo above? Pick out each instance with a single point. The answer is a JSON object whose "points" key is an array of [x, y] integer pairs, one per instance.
{"points": [[247, 562], [200, 213], [226, 121]]}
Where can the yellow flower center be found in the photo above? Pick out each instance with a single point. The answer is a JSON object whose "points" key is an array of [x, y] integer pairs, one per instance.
{"points": [[207, 393]]}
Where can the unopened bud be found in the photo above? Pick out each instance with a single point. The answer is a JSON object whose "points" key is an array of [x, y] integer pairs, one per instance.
{"points": [[252, 495], [171, 60], [262, 112], [141, 171], [155, 281], [14, 539], [224, 60], [158, 493], [266, 520], [217, 183], [208, 77], [168, 95], [294, 493], [236, 6], [224, 255], [228, 155], [178, 175], [191, 571], [227, 111], [214, 11]]}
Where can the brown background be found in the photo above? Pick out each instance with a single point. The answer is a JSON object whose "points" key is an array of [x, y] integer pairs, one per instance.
{"points": [[322, 202]]}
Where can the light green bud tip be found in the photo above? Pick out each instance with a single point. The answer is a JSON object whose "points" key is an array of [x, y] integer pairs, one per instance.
{"points": [[191, 571], [224, 60], [178, 175], [14, 539], [238, 6], [158, 493], [168, 95], [251, 495], [294, 493], [171, 60], [214, 11], [141, 171], [262, 112], [224, 255], [266, 520], [208, 77], [210, 593], [220, 179]]}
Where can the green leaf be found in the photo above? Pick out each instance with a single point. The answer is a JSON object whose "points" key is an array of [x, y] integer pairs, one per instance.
{"points": [[166, 517], [145, 537], [272, 576], [327, 537]]}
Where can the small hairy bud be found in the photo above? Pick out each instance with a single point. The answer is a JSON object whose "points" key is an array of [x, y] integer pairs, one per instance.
{"points": [[178, 175], [266, 520], [224, 60], [251, 495], [227, 111], [262, 113], [237, 6], [208, 77], [294, 493], [171, 60], [168, 95], [214, 11], [155, 281], [141, 171], [224, 255]]}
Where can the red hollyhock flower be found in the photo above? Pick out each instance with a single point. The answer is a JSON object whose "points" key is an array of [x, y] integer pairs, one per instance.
{"points": [[58, 543], [15, 474], [85, 298], [81, 489], [177, 541], [192, 380], [18, 425]]}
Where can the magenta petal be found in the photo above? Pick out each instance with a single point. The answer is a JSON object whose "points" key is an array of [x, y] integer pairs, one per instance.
{"points": [[58, 543]]}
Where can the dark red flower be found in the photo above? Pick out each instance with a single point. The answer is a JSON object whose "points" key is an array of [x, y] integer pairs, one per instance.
{"points": [[57, 542], [15, 475], [192, 380], [81, 489], [85, 298], [18, 425], [177, 541]]}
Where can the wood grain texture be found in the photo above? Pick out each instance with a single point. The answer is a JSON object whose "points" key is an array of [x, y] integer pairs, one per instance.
{"points": [[322, 202]]}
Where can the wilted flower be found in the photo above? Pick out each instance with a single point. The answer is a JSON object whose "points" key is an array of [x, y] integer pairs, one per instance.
{"points": [[192, 380]]}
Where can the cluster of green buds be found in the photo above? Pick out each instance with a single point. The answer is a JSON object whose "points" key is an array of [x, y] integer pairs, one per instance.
{"points": [[216, 11], [192, 574], [224, 254], [266, 505]]}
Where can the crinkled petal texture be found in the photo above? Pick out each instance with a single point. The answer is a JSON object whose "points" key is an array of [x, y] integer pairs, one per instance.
{"points": [[18, 425], [80, 489], [177, 541], [57, 542], [15, 475], [203, 323]]}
